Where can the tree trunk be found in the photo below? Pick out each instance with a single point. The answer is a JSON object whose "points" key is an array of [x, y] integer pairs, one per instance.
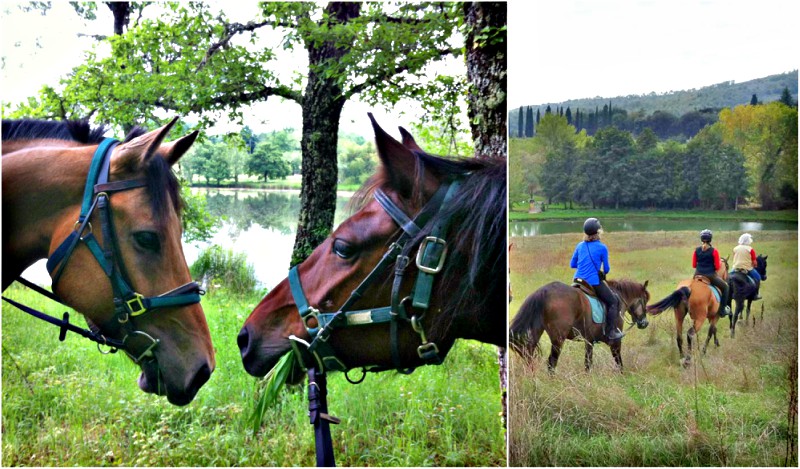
{"points": [[488, 76], [323, 101], [122, 13]]}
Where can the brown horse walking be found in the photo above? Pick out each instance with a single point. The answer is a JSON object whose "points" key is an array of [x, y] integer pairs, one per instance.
{"points": [[565, 314], [127, 238], [432, 225], [694, 297]]}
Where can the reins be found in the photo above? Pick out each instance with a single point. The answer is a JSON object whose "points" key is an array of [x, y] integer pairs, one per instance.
{"points": [[128, 303]]}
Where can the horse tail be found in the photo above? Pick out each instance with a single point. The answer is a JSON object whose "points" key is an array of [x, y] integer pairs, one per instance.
{"points": [[673, 300], [528, 325]]}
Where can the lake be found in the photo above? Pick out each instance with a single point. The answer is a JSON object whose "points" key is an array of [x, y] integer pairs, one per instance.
{"points": [[260, 223], [610, 225]]}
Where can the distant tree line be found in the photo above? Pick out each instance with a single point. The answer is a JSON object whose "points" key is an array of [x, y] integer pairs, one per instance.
{"points": [[665, 124], [749, 153], [274, 155]]}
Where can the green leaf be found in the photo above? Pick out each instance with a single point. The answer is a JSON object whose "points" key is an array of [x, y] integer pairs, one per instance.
{"points": [[275, 380]]}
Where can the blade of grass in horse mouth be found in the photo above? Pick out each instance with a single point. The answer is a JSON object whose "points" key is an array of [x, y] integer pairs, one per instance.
{"points": [[275, 380]]}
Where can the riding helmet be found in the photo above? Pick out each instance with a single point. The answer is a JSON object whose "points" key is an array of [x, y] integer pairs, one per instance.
{"points": [[591, 226], [705, 236]]}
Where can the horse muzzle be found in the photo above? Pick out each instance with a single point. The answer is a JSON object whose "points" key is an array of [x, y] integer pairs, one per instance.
{"points": [[643, 323]]}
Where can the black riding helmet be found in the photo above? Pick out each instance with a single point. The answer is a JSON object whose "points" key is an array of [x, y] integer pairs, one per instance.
{"points": [[591, 226], [705, 236]]}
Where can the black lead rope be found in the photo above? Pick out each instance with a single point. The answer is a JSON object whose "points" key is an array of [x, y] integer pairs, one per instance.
{"points": [[319, 417]]}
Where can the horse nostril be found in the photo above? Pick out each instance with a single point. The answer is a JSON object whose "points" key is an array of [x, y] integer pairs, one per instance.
{"points": [[243, 340], [200, 378]]}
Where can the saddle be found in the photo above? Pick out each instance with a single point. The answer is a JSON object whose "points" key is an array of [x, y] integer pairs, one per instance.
{"points": [[744, 274], [714, 290], [584, 286]]}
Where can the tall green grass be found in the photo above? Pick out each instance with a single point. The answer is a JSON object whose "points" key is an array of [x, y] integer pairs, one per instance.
{"points": [[729, 409], [64, 404]]}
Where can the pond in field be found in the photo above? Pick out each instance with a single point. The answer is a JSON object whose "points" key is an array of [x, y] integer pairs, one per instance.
{"points": [[610, 225], [260, 223]]}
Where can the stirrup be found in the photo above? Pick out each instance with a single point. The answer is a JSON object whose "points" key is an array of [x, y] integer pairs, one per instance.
{"points": [[615, 334]]}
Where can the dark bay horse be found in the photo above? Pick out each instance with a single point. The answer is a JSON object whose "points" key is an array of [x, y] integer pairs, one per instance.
{"points": [[434, 225], [107, 216], [564, 313], [742, 290], [693, 296]]}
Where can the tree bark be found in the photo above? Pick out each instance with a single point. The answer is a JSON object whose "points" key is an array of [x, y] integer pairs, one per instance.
{"points": [[487, 73], [323, 101]]}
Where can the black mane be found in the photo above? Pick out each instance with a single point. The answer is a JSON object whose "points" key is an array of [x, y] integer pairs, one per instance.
{"points": [[72, 131]]}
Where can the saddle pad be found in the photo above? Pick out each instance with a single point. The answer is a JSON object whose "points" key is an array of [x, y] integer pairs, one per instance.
{"points": [[598, 309], [715, 291]]}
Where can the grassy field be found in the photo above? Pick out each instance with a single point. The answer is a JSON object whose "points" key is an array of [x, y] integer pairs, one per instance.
{"points": [[729, 409], [64, 404]]}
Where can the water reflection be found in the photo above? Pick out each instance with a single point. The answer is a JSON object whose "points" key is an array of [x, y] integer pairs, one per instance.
{"points": [[262, 224]]}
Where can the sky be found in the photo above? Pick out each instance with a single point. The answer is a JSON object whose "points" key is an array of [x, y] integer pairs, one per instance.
{"points": [[39, 49], [572, 49]]}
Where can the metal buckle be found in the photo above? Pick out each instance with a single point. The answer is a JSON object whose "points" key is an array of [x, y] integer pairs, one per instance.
{"points": [[311, 313], [78, 225], [424, 351], [135, 305], [421, 254]]}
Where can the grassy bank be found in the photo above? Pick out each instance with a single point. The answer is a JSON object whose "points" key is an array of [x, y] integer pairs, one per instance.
{"points": [[291, 183], [65, 404], [520, 212], [730, 409]]}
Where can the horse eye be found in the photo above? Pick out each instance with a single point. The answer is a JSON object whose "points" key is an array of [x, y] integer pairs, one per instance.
{"points": [[148, 241], [343, 249]]}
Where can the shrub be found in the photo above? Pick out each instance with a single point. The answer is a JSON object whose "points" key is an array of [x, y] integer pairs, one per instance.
{"points": [[216, 267]]}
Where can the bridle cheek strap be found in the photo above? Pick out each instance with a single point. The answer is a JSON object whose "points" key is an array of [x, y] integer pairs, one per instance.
{"points": [[429, 261]]}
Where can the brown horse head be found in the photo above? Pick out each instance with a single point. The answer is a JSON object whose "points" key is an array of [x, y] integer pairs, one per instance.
{"points": [[468, 295], [145, 230], [634, 297]]}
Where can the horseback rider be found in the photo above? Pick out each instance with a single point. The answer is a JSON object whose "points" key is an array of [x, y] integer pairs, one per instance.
{"points": [[588, 256], [706, 262], [744, 259]]}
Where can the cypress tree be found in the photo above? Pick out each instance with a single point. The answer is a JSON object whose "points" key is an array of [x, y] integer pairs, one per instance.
{"points": [[568, 113], [529, 123], [754, 100], [538, 116], [786, 97], [520, 123], [547, 110]]}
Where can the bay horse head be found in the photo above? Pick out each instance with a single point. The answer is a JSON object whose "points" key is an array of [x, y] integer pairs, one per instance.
{"points": [[107, 215], [634, 297], [420, 263]]}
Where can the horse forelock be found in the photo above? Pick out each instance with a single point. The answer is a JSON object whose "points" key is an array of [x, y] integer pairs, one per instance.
{"points": [[164, 189]]}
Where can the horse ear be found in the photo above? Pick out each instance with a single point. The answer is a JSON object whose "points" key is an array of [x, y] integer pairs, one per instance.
{"points": [[645, 284], [173, 151], [132, 155], [408, 140], [765, 257], [399, 163]]}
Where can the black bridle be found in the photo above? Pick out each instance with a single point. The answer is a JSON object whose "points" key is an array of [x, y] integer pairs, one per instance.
{"points": [[318, 355], [128, 304]]}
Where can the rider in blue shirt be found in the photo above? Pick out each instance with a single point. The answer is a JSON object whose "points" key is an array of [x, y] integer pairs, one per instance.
{"points": [[589, 256]]}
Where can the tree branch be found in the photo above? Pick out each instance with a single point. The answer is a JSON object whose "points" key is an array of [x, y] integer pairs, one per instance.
{"points": [[378, 79], [231, 29]]}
